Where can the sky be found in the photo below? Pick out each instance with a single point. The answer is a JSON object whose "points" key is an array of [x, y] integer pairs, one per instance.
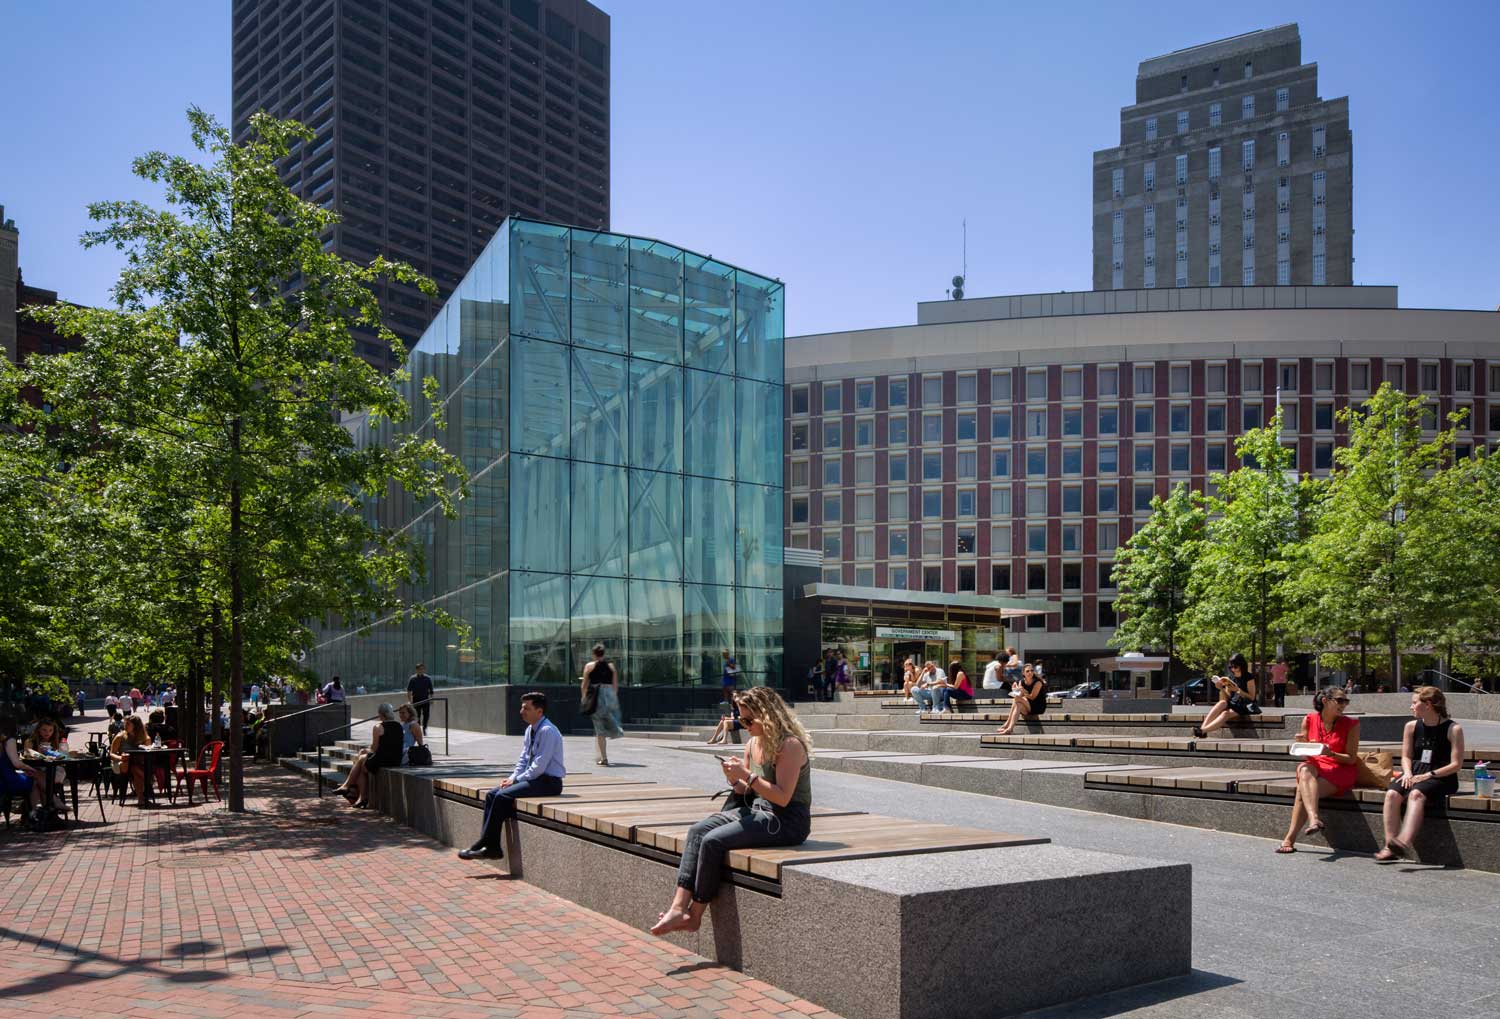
{"points": [[838, 146]]}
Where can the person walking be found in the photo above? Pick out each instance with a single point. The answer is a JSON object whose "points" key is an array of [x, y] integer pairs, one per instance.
{"points": [[111, 704], [1278, 681], [731, 677], [419, 693], [600, 676], [539, 771], [333, 691], [771, 783]]}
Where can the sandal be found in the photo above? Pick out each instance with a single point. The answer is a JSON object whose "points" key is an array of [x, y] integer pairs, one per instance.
{"points": [[1286, 847], [1397, 849], [1313, 828], [1386, 856]]}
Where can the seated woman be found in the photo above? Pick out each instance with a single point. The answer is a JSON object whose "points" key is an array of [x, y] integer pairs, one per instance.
{"points": [[17, 779], [1236, 694], [728, 724], [959, 687], [1332, 772], [385, 750], [130, 768], [909, 680], [772, 782], [47, 736], [1028, 699], [411, 732], [1432, 752]]}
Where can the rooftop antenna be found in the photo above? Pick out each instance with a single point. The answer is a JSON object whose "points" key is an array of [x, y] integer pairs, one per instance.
{"points": [[957, 293]]}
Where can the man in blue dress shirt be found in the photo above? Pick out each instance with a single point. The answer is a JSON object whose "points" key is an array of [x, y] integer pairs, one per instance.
{"points": [[539, 772]]}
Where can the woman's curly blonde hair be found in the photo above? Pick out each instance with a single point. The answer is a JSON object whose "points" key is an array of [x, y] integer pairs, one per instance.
{"points": [[776, 720]]}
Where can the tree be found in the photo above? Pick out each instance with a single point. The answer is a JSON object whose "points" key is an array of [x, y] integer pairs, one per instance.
{"points": [[212, 397], [1382, 554], [1152, 573], [1460, 538], [1255, 521]]}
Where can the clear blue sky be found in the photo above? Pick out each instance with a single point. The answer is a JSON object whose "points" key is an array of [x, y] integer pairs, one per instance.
{"points": [[838, 145]]}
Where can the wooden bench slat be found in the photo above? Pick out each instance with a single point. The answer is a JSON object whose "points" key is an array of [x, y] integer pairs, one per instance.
{"points": [[858, 845]]}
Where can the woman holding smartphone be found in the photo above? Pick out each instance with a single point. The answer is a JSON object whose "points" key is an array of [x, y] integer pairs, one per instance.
{"points": [[1236, 693], [771, 805]]}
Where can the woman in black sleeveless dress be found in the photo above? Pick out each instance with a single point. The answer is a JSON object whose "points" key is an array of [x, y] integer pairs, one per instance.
{"points": [[1432, 753]]}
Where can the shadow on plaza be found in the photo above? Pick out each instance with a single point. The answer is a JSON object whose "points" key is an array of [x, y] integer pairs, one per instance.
{"points": [[85, 966], [285, 812], [1115, 1003]]}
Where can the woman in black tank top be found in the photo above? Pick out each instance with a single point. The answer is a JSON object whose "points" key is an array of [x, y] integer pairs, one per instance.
{"points": [[1432, 754]]}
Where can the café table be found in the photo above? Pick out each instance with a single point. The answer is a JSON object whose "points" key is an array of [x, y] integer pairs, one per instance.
{"points": [[152, 758], [73, 766]]}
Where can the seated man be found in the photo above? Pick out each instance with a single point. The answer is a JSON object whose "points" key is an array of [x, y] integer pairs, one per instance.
{"points": [[539, 771]]}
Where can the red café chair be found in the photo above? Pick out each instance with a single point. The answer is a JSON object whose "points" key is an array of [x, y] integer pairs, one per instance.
{"points": [[163, 778], [207, 771]]}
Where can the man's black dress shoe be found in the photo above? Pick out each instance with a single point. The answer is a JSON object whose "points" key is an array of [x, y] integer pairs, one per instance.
{"points": [[480, 853]]}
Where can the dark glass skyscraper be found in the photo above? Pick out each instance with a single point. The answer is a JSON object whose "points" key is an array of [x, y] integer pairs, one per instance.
{"points": [[435, 120]]}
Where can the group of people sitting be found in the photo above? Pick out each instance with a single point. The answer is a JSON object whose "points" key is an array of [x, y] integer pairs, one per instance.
{"points": [[18, 779], [931, 688], [934, 690], [397, 740]]}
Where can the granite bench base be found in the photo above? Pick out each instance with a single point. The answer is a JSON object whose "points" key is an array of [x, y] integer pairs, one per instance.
{"points": [[875, 937]]}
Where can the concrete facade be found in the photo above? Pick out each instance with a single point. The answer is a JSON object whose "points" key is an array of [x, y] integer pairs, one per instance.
{"points": [[10, 246], [1010, 444], [434, 122], [1231, 170]]}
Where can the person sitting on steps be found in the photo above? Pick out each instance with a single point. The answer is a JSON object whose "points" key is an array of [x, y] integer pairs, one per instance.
{"points": [[1236, 694], [728, 724], [1432, 753], [1028, 699], [1331, 773]]}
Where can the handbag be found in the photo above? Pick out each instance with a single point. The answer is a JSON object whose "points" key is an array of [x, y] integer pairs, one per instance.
{"points": [[419, 755], [590, 702], [1374, 769]]}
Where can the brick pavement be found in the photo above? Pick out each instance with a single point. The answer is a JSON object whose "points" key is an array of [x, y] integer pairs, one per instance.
{"points": [[306, 908]]}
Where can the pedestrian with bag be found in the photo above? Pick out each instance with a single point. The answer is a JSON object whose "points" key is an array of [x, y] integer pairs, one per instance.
{"points": [[599, 693]]}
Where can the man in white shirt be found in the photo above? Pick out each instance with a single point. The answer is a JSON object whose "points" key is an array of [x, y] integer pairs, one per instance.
{"points": [[992, 672]]}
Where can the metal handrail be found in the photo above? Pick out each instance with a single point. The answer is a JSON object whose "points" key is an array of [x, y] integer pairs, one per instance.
{"points": [[350, 725], [1454, 679]]}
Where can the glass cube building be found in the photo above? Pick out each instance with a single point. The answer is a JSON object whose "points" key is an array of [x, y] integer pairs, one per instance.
{"points": [[617, 402]]}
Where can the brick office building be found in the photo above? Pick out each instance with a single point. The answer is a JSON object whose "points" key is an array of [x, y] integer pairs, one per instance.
{"points": [[1009, 445]]}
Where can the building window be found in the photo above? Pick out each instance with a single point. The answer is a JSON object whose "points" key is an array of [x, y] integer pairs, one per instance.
{"points": [[1429, 377], [799, 509], [896, 543], [999, 463], [1072, 499], [864, 433], [1179, 377], [1036, 385], [1000, 386], [1215, 378], [1036, 462], [1284, 149], [799, 400], [1288, 378], [1117, 181], [1109, 540], [1108, 497], [1213, 417], [1323, 377], [1000, 501], [968, 464], [1319, 141], [1000, 578], [1247, 157], [898, 505], [799, 473], [1182, 169], [1151, 129], [1251, 415], [968, 503], [864, 576], [833, 547], [799, 436], [1322, 456], [1145, 491], [932, 578], [1145, 419], [832, 434], [1178, 419], [966, 578], [1283, 99], [968, 387], [833, 397], [932, 504], [864, 469], [1072, 537], [1000, 424], [1000, 540], [1036, 500], [968, 426], [896, 468], [1463, 378], [1109, 381], [1247, 107], [897, 392], [864, 395], [1395, 374], [1145, 458], [1036, 577], [1180, 463], [864, 544], [1036, 538], [896, 429], [1109, 459], [932, 428], [932, 467], [1283, 272], [965, 543], [1036, 424], [932, 391], [1145, 379], [1214, 163], [1359, 377], [1250, 377], [1216, 456], [1182, 121], [1107, 617], [833, 471], [1148, 176], [1215, 114], [1323, 416], [1109, 420], [1072, 615]]}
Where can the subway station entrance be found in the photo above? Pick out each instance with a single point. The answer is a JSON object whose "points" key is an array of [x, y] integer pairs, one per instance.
{"points": [[879, 628]]}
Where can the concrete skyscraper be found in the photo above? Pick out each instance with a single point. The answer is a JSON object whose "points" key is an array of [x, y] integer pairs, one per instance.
{"points": [[435, 119], [1231, 171]]}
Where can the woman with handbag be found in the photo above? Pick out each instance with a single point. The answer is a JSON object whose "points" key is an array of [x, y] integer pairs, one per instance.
{"points": [[601, 701], [770, 805], [414, 749], [1236, 694], [1432, 753], [1331, 773]]}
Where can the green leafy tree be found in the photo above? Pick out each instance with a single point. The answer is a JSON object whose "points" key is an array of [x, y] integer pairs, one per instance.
{"points": [[1460, 537], [1383, 556], [1152, 573], [1235, 596], [213, 394]]}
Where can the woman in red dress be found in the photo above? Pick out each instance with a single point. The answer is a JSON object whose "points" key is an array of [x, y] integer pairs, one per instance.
{"points": [[1332, 772]]}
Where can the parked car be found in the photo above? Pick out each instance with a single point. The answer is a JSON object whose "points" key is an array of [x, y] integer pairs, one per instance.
{"points": [[1089, 689], [1197, 689]]}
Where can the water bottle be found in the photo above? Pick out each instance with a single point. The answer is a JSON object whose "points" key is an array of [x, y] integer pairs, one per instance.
{"points": [[1484, 782]]}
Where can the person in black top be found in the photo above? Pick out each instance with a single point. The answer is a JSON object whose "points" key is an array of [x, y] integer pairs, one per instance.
{"points": [[1432, 753], [419, 693], [1028, 699], [385, 749], [1237, 694]]}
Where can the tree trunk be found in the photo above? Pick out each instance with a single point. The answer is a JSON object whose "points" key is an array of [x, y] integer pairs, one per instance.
{"points": [[236, 632], [1363, 669], [217, 667], [1395, 659]]}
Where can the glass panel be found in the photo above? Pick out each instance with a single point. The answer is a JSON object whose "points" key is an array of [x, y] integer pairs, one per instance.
{"points": [[599, 262], [655, 639], [708, 303], [758, 535], [539, 627], [655, 301], [539, 397], [656, 416], [709, 532], [707, 631], [539, 502], [599, 523], [757, 634], [708, 438], [539, 281], [598, 391], [655, 525], [759, 333], [598, 616], [759, 432]]}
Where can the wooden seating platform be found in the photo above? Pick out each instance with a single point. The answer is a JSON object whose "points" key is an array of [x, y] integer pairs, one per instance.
{"points": [[1268, 720], [657, 817], [965, 707]]}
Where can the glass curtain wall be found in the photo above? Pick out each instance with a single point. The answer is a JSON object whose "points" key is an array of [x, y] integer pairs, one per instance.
{"points": [[618, 404]]}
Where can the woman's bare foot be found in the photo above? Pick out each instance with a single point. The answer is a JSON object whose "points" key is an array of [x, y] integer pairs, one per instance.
{"points": [[674, 920]]}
